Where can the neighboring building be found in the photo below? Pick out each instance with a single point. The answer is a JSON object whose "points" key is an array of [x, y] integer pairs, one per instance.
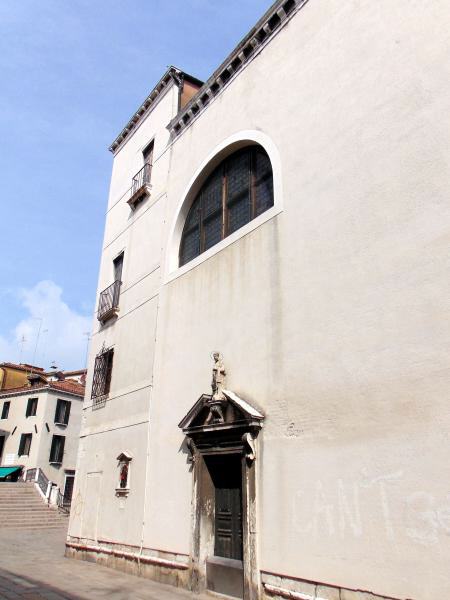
{"points": [[79, 376], [40, 426], [293, 216], [12, 375]]}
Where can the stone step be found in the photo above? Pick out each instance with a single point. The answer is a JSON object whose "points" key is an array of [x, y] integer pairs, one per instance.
{"points": [[34, 494], [5, 485], [24, 502], [19, 491], [22, 507], [31, 513], [24, 494], [33, 521], [18, 506], [35, 528]]}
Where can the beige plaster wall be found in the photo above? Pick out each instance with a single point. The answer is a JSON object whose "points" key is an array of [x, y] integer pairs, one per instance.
{"points": [[122, 423], [330, 316]]}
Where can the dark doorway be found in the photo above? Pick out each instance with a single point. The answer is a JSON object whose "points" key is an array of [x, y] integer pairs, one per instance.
{"points": [[225, 568], [2, 444], [68, 488]]}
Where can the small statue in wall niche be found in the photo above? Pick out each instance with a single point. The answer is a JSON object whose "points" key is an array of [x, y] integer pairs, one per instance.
{"points": [[123, 479], [217, 401]]}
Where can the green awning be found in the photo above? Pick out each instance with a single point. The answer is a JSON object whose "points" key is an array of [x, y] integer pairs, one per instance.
{"points": [[5, 471]]}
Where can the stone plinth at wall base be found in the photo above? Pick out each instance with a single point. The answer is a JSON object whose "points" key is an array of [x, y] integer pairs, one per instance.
{"points": [[280, 587], [174, 569], [163, 567]]}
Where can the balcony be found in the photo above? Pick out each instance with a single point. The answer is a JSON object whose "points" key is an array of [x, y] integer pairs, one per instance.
{"points": [[108, 305], [140, 185]]}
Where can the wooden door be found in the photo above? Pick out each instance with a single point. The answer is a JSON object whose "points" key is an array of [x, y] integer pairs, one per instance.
{"points": [[227, 478]]}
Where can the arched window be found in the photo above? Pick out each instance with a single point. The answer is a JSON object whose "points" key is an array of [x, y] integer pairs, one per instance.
{"points": [[237, 191]]}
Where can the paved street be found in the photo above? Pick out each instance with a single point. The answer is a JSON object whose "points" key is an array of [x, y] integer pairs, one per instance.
{"points": [[32, 566]]}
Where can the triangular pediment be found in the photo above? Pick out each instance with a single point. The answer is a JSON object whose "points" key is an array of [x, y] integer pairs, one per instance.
{"points": [[232, 410]]}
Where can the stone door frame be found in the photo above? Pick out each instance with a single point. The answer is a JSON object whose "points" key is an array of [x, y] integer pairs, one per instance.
{"points": [[203, 523], [236, 434]]}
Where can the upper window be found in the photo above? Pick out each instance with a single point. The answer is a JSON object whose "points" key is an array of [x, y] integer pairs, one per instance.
{"points": [[237, 191], [108, 303], [31, 407], [62, 412], [57, 449], [5, 409], [25, 444]]}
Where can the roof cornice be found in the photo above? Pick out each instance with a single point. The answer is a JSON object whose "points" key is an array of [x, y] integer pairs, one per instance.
{"points": [[172, 75], [260, 35]]}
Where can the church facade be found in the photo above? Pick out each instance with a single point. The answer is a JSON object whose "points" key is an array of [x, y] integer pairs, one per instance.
{"points": [[266, 411]]}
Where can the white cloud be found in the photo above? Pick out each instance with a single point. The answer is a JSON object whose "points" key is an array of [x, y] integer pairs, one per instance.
{"points": [[62, 330]]}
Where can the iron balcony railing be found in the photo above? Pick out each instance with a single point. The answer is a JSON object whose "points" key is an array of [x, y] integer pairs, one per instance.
{"points": [[42, 481], [109, 301], [141, 179]]}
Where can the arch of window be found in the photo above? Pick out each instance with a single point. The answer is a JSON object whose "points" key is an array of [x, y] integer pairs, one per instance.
{"points": [[237, 191]]}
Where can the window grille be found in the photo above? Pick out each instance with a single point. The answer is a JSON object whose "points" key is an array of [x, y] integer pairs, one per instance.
{"points": [[102, 375], [5, 409], [31, 407], [57, 449], [237, 191], [62, 412], [25, 444]]}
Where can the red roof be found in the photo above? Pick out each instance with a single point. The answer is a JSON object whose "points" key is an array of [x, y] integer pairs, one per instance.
{"points": [[68, 386], [72, 387], [21, 367]]}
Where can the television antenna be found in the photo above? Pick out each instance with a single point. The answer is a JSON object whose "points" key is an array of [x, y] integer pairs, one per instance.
{"points": [[23, 339], [40, 319], [87, 335]]}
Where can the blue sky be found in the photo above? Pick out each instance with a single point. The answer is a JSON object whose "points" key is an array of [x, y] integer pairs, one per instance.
{"points": [[71, 74]]}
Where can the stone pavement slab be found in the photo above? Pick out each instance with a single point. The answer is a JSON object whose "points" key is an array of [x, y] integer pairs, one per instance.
{"points": [[33, 566]]}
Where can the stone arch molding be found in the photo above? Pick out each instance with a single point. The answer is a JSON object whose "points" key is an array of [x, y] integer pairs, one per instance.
{"points": [[219, 153]]}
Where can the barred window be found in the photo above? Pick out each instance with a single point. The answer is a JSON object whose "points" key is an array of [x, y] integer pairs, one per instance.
{"points": [[102, 375], [25, 444], [237, 191], [57, 449], [62, 412]]}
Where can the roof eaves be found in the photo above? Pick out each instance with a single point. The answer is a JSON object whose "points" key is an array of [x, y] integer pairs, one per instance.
{"points": [[174, 75], [18, 391], [258, 37]]}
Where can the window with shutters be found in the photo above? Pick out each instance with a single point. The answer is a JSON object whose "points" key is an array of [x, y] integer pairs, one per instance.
{"points": [[57, 449], [25, 444], [62, 412], [101, 382], [5, 409], [31, 407], [237, 191]]}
